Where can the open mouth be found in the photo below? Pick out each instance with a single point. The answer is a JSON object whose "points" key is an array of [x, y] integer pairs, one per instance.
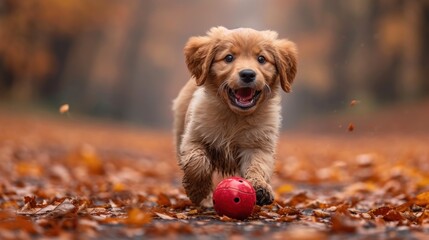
{"points": [[244, 98]]}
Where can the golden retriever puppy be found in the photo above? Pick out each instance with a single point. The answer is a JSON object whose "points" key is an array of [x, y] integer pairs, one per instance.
{"points": [[227, 116]]}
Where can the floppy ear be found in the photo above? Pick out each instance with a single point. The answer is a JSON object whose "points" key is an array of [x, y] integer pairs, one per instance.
{"points": [[286, 62], [199, 54]]}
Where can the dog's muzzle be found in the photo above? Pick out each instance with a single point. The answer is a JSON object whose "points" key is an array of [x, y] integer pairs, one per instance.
{"points": [[244, 98]]}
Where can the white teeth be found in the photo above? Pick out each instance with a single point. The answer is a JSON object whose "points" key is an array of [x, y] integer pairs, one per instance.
{"points": [[244, 104]]}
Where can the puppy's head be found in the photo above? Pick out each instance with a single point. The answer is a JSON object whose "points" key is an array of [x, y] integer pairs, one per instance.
{"points": [[243, 66]]}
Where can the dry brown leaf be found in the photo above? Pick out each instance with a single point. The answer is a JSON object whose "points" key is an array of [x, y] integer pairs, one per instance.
{"points": [[351, 127], [29, 169], [91, 160], [138, 217], [181, 216], [285, 188], [193, 212], [226, 219], [381, 211], [163, 200], [164, 216], [300, 233], [422, 199], [393, 215], [353, 102], [298, 198], [64, 108], [342, 224], [10, 221], [321, 213]]}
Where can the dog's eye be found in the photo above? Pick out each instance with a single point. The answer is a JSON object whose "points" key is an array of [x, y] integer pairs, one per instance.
{"points": [[262, 60], [229, 58]]}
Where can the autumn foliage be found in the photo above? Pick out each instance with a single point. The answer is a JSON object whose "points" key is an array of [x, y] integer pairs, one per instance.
{"points": [[67, 178]]}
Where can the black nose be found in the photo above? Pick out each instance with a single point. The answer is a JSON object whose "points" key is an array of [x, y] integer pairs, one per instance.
{"points": [[247, 75]]}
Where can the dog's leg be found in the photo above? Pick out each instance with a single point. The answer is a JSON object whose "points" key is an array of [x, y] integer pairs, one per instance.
{"points": [[197, 179], [257, 167]]}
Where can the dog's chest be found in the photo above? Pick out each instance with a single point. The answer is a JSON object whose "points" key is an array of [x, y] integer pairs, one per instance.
{"points": [[228, 133], [233, 133], [227, 143]]}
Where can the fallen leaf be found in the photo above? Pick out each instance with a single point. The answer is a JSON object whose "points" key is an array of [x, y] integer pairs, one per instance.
{"points": [[422, 199], [11, 221], [353, 102], [118, 187], [393, 215], [226, 219], [138, 217], [164, 216], [29, 169], [91, 160], [381, 211], [64, 108], [163, 200], [342, 224], [181, 216], [298, 198], [285, 188], [193, 212], [351, 127], [321, 213]]}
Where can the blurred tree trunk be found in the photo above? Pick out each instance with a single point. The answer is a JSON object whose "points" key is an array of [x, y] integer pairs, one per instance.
{"points": [[424, 52], [130, 75], [140, 90], [341, 53]]}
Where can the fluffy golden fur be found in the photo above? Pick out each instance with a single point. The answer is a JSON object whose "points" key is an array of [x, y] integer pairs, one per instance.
{"points": [[227, 116]]}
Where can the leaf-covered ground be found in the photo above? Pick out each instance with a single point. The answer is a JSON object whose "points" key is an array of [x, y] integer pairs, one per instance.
{"points": [[64, 178]]}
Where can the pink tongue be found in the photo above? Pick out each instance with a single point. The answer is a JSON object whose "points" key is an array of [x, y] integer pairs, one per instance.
{"points": [[244, 94]]}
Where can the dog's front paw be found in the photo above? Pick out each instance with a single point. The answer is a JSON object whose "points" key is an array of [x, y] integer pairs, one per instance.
{"points": [[264, 196]]}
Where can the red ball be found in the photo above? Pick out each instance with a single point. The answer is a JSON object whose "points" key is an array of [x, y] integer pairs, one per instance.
{"points": [[234, 197]]}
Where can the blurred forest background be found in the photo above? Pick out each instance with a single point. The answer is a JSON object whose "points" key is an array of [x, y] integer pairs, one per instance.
{"points": [[123, 60]]}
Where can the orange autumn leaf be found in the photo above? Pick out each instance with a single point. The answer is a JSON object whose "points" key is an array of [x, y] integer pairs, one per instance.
{"points": [[64, 108], [29, 169], [351, 127], [424, 181], [118, 187], [138, 217], [91, 160], [286, 188], [353, 102], [380, 211], [164, 216], [163, 200], [343, 224], [298, 198], [422, 199], [393, 215], [226, 219], [10, 221]]}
